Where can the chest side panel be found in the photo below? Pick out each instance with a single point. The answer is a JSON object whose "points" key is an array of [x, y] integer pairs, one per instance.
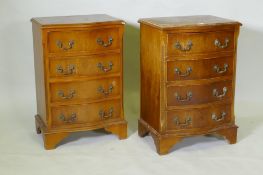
{"points": [[150, 40], [39, 72]]}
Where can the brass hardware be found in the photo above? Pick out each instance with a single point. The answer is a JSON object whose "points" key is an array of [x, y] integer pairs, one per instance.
{"points": [[186, 48], [186, 123], [217, 119], [216, 93], [70, 119], [104, 68], [189, 96], [69, 71], [103, 91], [70, 45], [102, 43], [105, 115], [220, 45], [217, 69], [70, 96], [179, 73]]}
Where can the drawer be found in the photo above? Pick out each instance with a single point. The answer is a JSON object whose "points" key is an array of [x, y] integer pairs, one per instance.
{"points": [[198, 94], [85, 66], [199, 118], [86, 113], [85, 90], [197, 43], [90, 40], [199, 69]]}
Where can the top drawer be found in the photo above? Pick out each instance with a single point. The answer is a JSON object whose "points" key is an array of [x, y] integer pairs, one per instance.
{"points": [[90, 40], [198, 43]]}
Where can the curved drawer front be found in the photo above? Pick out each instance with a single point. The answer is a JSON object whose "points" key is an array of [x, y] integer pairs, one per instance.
{"points": [[85, 90], [85, 66], [90, 40], [197, 43], [198, 94], [86, 113], [199, 69], [201, 118]]}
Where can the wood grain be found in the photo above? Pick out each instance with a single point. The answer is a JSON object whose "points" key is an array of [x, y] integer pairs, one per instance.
{"points": [[86, 113], [79, 20], [84, 40], [196, 38], [202, 93], [85, 65], [150, 56], [39, 64], [200, 69], [201, 118], [188, 22], [110, 86]]}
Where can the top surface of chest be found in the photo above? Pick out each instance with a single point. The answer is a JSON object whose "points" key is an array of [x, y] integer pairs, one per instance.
{"points": [[76, 20], [165, 23]]}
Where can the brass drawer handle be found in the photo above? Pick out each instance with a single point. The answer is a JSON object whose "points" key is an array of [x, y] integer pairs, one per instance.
{"points": [[104, 68], [189, 96], [218, 119], [216, 93], [105, 92], [102, 43], [186, 48], [71, 119], [220, 45], [179, 73], [104, 114], [69, 96], [69, 71], [186, 123], [70, 45], [219, 70]]}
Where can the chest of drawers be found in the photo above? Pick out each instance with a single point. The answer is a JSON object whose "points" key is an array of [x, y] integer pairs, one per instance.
{"points": [[187, 78], [78, 66]]}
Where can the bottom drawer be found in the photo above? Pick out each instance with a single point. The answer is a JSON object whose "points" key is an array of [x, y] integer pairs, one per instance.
{"points": [[198, 118], [85, 113]]}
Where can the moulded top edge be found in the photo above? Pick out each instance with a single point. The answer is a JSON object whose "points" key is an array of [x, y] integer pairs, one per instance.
{"points": [[187, 21], [76, 20]]}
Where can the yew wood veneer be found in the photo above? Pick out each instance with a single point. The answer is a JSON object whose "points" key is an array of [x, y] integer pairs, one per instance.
{"points": [[78, 66], [188, 68]]}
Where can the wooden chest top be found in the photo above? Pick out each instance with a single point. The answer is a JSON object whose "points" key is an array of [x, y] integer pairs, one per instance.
{"points": [[77, 20], [186, 21]]}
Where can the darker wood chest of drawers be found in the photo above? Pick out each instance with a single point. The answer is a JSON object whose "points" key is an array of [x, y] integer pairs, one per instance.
{"points": [[188, 67], [78, 65]]}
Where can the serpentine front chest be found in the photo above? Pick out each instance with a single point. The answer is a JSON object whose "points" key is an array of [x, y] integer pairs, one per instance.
{"points": [[78, 65], [188, 69]]}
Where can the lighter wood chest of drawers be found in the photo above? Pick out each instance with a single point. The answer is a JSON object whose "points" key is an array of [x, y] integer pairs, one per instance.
{"points": [[187, 78], [78, 65]]}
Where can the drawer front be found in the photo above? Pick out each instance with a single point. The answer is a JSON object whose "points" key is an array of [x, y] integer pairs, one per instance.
{"points": [[86, 113], [90, 40], [198, 94], [85, 90], [85, 66], [199, 118], [199, 69], [197, 43]]}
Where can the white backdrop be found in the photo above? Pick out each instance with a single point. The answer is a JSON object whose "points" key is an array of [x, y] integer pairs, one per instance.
{"points": [[21, 149]]}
